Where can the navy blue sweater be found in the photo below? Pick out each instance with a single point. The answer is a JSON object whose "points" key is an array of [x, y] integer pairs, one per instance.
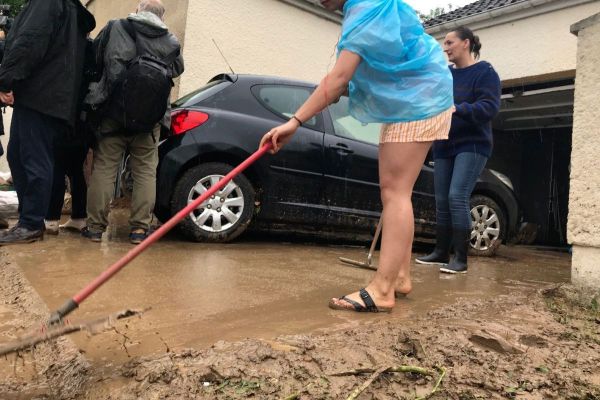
{"points": [[477, 93]]}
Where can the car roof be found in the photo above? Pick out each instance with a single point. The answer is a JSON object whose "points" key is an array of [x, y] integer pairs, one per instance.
{"points": [[261, 79]]}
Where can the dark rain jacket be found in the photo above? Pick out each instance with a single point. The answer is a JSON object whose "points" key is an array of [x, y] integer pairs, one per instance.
{"points": [[152, 37], [44, 57]]}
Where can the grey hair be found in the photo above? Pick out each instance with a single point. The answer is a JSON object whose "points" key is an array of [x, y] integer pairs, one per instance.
{"points": [[153, 6]]}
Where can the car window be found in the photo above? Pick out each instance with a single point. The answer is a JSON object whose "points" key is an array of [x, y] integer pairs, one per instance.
{"points": [[284, 100], [201, 94], [345, 125]]}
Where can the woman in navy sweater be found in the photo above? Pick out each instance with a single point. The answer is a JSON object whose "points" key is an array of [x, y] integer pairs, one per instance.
{"points": [[460, 159]]}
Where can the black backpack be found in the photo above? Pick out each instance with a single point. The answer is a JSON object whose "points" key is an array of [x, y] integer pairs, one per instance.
{"points": [[140, 99]]}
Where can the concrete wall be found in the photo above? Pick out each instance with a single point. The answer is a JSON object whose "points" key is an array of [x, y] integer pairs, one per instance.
{"points": [[257, 36], [584, 205], [535, 48]]}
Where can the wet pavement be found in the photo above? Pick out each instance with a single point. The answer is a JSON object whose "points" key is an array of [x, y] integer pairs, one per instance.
{"points": [[255, 288]]}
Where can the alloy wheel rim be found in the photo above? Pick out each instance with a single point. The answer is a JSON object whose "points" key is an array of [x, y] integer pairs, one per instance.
{"points": [[222, 210], [485, 227]]}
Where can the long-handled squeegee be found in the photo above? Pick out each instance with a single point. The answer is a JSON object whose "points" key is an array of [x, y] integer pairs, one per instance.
{"points": [[57, 328], [368, 264], [74, 303]]}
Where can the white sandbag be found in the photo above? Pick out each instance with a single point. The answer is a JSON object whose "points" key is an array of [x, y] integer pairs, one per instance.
{"points": [[9, 204]]}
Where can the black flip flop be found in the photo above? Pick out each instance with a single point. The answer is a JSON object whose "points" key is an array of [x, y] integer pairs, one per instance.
{"points": [[357, 307]]}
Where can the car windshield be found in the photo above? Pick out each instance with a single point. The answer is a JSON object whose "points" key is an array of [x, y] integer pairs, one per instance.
{"points": [[203, 93]]}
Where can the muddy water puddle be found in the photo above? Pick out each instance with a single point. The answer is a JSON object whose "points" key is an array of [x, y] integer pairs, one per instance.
{"points": [[204, 293]]}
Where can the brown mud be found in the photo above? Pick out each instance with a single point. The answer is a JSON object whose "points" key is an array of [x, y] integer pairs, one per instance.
{"points": [[528, 343], [50, 371]]}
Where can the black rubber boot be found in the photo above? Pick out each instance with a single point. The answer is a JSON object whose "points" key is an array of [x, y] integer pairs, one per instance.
{"points": [[458, 264], [440, 255]]}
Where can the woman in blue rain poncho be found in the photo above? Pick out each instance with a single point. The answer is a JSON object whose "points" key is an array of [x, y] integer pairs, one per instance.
{"points": [[396, 74]]}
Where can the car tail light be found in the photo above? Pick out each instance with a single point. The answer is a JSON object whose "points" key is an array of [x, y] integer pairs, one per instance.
{"points": [[185, 120]]}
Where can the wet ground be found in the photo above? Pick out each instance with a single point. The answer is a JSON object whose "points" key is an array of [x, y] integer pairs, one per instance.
{"points": [[256, 288]]}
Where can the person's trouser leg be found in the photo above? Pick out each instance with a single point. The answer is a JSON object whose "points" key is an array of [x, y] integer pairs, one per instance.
{"points": [[107, 158], [442, 176], [13, 156], [466, 171], [57, 197], [31, 160], [74, 170], [467, 168], [143, 161]]}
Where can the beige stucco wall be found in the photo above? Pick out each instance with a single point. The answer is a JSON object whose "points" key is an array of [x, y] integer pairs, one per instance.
{"points": [[257, 36], [105, 10], [540, 45], [175, 17], [584, 203]]}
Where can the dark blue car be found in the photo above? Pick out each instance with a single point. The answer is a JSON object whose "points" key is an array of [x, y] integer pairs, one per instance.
{"points": [[324, 182]]}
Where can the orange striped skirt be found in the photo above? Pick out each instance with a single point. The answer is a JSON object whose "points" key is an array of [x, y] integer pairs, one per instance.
{"points": [[426, 130]]}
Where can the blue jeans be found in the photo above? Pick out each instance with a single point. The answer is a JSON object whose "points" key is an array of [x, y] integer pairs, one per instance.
{"points": [[454, 180]]}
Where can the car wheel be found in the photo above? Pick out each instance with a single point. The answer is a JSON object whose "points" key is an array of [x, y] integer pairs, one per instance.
{"points": [[221, 218], [488, 226]]}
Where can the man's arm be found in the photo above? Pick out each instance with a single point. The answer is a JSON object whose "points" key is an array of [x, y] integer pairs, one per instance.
{"points": [[31, 43], [178, 66]]}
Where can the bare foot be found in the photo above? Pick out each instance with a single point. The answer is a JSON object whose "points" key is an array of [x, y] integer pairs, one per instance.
{"points": [[402, 287]]}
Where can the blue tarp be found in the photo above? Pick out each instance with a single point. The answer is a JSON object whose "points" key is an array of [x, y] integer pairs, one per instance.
{"points": [[403, 75]]}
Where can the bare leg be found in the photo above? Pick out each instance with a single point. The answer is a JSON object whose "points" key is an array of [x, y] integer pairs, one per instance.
{"points": [[399, 167]]}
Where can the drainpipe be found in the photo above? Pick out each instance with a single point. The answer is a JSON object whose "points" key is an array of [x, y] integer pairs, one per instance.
{"points": [[518, 11]]}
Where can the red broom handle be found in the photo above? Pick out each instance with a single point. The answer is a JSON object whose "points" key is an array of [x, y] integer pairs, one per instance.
{"points": [[72, 304]]}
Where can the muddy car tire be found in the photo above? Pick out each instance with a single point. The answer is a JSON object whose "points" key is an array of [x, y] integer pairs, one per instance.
{"points": [[222, 218], [489, 226]]}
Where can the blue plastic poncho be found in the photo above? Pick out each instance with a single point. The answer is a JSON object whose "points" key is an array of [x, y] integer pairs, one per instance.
{"points": [[403, 75]]}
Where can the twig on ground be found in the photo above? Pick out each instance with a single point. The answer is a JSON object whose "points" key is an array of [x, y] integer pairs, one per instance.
{"points": [[437, 384], [399, 368], [98, 326], [376, 373], [354, 395]]}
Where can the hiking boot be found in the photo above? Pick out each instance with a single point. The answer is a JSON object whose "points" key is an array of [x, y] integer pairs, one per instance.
{"points": [[3, 223], [138, 235], [20, 235], [94, 236], [51, 227], [458, 264], [74, 224], [440, 255]]}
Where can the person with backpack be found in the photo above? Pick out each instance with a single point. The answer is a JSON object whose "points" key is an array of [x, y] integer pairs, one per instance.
{"points": [[138, 58], [40, 76]]}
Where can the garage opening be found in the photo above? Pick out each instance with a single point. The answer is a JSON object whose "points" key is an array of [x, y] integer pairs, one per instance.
{"points": [[532, 138]]}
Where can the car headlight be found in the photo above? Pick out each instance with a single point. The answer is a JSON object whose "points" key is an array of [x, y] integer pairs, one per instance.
{"points": [[504, 179]]}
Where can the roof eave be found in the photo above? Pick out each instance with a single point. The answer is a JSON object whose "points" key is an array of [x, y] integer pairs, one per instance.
{"points": [[316, 10], [504, 15]]}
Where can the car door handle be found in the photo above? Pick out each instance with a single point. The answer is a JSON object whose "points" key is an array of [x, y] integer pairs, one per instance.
{"points": [[431, 163], [341, 148]]}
